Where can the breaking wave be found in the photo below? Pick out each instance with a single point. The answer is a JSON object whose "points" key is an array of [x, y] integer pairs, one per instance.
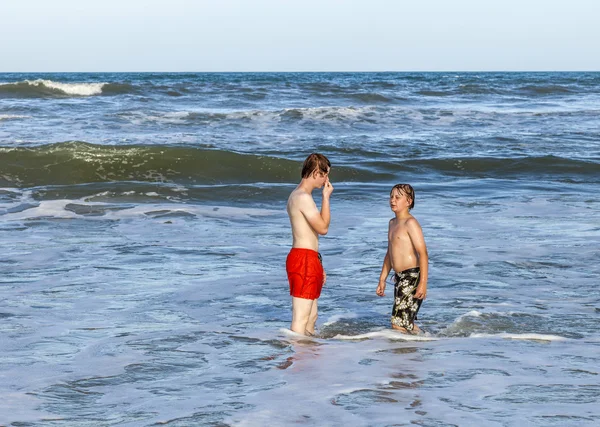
{"points": [[69, 163], [48, 88]]}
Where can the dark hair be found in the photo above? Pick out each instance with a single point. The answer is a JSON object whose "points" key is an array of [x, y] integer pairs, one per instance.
{"points": [[315, 161], [408, 191]]}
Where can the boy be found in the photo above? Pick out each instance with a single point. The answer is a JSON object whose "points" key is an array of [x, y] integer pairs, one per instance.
{"points": [[303, 264], [407, 256]]}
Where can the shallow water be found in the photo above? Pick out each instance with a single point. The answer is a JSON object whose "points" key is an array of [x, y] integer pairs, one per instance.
{"points": [[140, 291]]}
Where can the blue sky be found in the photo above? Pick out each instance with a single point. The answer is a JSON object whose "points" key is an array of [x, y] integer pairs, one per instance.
{"points": [[306, 35]]}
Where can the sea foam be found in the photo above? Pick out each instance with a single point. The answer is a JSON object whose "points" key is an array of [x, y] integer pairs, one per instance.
{"points": [[74, 89], [532, 337], [388, 334], [12, 117]]}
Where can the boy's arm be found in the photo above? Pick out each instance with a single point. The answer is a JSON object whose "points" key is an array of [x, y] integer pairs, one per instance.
{"points": [[319, 221], [416, 236], [385, 270]]}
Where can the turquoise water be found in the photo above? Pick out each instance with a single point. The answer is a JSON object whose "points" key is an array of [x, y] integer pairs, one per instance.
{"points": [[144, 234]]}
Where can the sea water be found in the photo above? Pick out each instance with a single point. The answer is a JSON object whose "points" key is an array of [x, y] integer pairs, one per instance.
{"points": [[143, 237]]}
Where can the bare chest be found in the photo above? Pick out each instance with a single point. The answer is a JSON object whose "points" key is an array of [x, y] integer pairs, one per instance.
{"points": [[398, 234]]}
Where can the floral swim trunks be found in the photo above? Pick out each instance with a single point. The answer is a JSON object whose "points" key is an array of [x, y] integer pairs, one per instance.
{"points": [[406, 307]]}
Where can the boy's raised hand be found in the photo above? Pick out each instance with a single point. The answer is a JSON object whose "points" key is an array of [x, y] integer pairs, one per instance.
{"points": [[327, 188]]}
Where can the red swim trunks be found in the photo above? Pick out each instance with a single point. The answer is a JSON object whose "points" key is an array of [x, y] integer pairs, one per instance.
{"points": [[305, 273]]}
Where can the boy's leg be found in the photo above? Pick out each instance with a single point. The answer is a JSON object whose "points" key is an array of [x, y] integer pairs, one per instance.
{"points": [[301, 309], [312, 318], [400, 328], [415, 331]]}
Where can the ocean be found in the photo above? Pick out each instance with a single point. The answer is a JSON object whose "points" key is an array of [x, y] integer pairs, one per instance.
{"points": [[143, 238]]}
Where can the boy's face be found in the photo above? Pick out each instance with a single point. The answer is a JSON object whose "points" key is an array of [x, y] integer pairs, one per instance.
{"points": [[321, 177], [398, 200]]}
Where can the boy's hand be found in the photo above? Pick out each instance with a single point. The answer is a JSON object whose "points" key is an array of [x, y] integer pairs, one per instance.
{"points": [[324, 277], [381, 289], [421, 292], [327, 188]]}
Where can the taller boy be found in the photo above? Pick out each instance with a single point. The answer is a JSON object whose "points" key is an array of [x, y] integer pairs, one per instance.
{"points": [[303, 265]]}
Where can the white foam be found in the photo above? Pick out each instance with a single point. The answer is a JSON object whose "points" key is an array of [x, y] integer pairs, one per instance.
{"points": [[207, 211], [337, 317], [291, 334], [11, 190], [386, 334], [45, 209], [173, 117], [12, 117], [532, 337], [459, 319], [472, 313], [57, 209], [310, 113], [179, 189], [80, 89], [77, 89], [324, 113]]}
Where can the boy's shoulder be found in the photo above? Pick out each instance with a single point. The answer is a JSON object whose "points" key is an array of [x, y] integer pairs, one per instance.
{"points": [[297, 192], [411, 221], [404, 221], [413, 226], [411, 218], [301, 199], [300, 194]]}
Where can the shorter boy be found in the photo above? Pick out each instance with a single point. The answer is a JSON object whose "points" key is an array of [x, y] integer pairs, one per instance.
{"points": [[407, 256]]}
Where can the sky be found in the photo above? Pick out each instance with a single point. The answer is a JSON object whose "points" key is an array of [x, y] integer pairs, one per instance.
{"points": [[299, 35]]}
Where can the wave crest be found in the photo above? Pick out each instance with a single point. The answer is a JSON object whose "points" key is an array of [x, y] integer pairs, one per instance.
{"points": [[41, 88], [70, 163]]}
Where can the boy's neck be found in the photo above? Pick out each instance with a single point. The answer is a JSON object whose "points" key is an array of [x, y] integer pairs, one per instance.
{"points": [[306, 185], [403, 214]]}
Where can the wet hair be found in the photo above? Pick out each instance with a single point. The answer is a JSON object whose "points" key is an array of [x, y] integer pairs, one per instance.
{"points": [[313, 162], [408, 191]]}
